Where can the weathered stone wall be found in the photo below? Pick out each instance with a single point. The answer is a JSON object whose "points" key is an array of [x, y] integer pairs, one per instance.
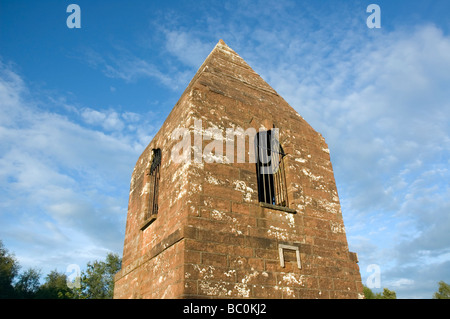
{"points": [[212, 238], [155, 248]]}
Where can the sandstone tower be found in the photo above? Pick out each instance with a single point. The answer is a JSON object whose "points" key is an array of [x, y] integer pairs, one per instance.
{"points": [[207, 219]]}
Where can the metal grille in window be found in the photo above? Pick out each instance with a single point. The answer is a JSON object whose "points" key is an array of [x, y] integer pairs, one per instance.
{"points": [[270, 169], [154, 184]]}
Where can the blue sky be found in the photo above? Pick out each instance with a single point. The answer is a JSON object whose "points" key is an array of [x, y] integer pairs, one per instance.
{"points": [[78, 106]]}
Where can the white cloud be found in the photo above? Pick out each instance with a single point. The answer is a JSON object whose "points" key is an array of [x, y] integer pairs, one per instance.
{"points": [[109, 120], [131, 117], [120, 63], [93, 116], [187, 48], [401, 282]]}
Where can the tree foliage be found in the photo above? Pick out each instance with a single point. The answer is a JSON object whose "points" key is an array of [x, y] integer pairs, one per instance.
{"points": [[27, 285], [386, 294], [55, 287], [9, 269], [443, 291], [368, 293], [96, 282]]}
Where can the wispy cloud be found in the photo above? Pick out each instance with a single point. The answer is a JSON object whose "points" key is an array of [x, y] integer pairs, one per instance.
{"points": [[186, 47], [122, 64]]}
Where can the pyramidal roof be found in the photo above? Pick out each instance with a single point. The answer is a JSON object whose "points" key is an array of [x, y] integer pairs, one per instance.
{"points": [[226, 73], [224, 61]]}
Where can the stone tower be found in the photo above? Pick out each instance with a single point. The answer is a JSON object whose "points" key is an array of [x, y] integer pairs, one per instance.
{"points": [[235, 197]]}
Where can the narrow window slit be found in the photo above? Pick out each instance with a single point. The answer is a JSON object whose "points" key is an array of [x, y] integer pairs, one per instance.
{"points": [[270, 169], [151, 211]]}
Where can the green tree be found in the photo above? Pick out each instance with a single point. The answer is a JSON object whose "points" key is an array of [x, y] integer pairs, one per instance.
{"points": [[27, 285], [368, 293], [55, 287], [443, 291], [9, 269], [387, 294], [97, 282]]}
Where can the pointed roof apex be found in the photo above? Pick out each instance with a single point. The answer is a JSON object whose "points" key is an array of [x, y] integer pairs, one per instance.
{"points": [[222, 47], [224, 62], [222, 44]]}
